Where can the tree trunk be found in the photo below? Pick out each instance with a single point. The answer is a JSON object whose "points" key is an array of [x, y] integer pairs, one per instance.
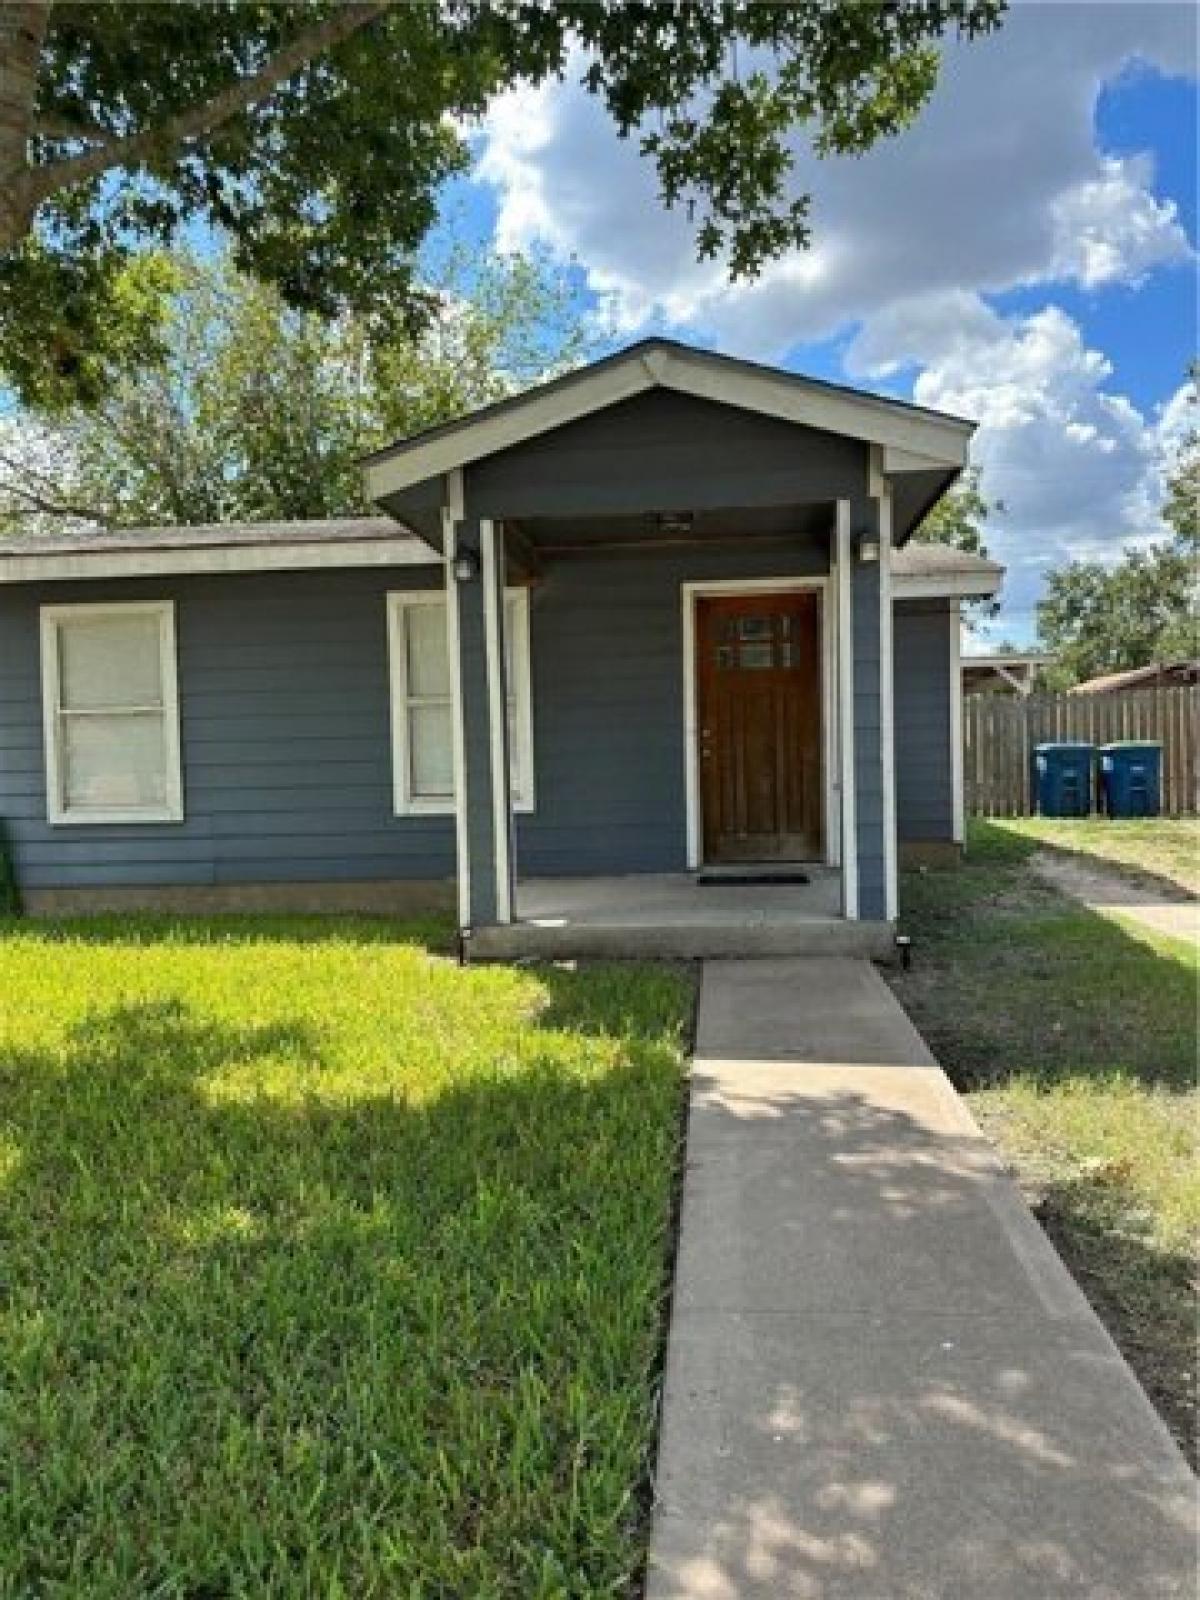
{"points": [[22, 29]]}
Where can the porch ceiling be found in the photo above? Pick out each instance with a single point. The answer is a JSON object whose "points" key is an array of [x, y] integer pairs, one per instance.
{"points": [[787, 524]]}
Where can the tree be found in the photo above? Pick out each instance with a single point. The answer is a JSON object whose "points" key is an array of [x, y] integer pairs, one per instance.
{"points": [[1096, 619], [255, 411], [959, 516], [1145, 609], [958, 520], [1182, 509], [315, 136]]}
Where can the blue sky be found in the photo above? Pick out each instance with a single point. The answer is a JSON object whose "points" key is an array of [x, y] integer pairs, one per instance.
{"points": [[1024, 254]]}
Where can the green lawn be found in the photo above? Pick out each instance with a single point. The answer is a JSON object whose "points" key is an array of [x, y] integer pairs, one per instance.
{"points": [[1075, 1038], [327, 1269], [1160, 847]]}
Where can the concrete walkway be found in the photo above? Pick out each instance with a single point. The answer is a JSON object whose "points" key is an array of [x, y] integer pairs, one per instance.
{"points": [[1112, 893], [882, 1383]]}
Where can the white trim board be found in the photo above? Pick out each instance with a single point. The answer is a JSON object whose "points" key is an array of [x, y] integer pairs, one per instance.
{"points": [[491, 551], [458, 734], [949, 586], [51, 620], [938, 440], [301, 556], [690, 592], [843, 557], [958, 830], [887, 718]]}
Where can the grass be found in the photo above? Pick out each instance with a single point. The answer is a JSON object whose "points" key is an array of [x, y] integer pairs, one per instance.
{"points": [[1074, 1037], [328, 1269], [1160, 848]]}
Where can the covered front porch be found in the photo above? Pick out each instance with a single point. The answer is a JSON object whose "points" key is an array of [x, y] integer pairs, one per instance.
{"points": [[681, 916], [703, 555]]}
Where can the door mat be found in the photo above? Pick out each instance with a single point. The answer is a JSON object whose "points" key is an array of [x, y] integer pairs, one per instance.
{"points": [[723, 880]]}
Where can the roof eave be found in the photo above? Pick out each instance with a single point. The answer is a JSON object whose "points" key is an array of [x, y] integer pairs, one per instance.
{"points": [[942, 441]]}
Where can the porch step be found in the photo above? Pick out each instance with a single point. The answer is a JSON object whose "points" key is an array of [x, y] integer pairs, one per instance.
{"points": [[696, 941]]}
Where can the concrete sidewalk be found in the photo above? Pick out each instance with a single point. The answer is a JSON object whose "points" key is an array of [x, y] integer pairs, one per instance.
{"points": [[1115, 894], [882, 1383]]}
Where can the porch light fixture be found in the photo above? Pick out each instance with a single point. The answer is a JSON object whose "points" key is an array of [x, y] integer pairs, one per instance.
{"points": [[675, 523], [868, 550], [466, 566]]}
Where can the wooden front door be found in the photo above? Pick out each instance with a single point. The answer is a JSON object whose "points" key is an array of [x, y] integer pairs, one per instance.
{"points": [[758, 686]]}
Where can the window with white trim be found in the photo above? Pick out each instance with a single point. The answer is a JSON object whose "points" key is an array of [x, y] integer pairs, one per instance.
{"points": [[110, 710], [422, 742]]}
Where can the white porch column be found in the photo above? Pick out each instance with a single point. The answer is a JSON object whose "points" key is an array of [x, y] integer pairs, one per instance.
{"points": [[475, 629], [887, 724], [843, 579]]}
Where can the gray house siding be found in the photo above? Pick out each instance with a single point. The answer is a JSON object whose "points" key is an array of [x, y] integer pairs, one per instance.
{"points": [[924, 773], [286, 741], [608, 704], [664, 451]]}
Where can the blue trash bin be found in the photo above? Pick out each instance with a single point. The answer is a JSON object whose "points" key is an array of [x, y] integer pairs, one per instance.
{"points": [[1131, 778], [1062, 779]]}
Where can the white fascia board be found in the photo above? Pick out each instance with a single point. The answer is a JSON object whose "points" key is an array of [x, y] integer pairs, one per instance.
{"points": [[536, 414], [954, 586], [938, 442], [301, 556], [943, 441]]}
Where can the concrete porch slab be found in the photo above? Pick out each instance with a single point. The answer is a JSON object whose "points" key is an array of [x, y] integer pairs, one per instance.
{"points": [[882, 1383], [669, 916]]}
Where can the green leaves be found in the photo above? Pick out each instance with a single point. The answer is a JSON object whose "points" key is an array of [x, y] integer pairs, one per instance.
{"points": [[212, 399], [151, 120]]}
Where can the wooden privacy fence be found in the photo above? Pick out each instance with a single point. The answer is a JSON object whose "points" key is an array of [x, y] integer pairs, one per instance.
{"points": [[1000, 732]]}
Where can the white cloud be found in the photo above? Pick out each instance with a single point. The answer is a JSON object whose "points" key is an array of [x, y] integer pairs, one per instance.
{"points": [[999, 185], [1080, 470]]}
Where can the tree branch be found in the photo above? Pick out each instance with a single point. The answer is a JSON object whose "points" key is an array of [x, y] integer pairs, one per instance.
{"points": [[199, 120], [22, 29], [51, 127]]}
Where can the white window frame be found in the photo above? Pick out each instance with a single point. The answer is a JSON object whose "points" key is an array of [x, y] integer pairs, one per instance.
{"points": [[404, 802], [53, 619]]}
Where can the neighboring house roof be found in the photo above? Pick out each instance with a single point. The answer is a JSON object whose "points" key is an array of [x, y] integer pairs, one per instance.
{"points": [[918, 570], [1183, 671], [1012, 670], [914, 438]]}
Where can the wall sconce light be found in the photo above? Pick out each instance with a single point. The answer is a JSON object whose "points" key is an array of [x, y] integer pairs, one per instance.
{"points": [[868, 550], [466, 566]]}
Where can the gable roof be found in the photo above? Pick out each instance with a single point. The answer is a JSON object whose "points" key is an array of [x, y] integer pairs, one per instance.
{"points": [[918, 438]]}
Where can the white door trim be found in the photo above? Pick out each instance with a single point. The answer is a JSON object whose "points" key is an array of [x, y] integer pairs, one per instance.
{"points": [[692, 591]]}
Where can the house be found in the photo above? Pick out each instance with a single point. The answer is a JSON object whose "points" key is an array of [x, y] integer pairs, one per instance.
{"points": [[1158, 675], [650, 638], [1008, 673]]}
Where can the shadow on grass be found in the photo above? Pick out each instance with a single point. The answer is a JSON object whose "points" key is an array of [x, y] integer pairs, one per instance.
{"points": [[271, 1329], [1016, 986]]}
